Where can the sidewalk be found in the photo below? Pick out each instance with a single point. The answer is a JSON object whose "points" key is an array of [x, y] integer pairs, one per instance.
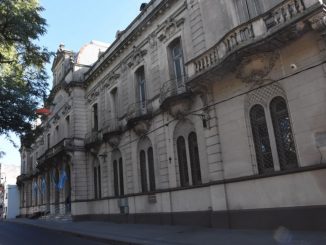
{"points": [[133, 234]]}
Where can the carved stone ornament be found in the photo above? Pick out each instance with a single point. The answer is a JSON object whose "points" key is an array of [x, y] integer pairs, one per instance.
{"points": [[56, 118], [113, 139], [152, 41], [318, 22], [137, 56], [109, 80], [93, 95], [141, 127], [66, 109], [179, 108], [255, 68], [170, 27]]}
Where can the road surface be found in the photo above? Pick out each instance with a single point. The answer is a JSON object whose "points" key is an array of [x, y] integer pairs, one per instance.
{"points": [[12, 234]]}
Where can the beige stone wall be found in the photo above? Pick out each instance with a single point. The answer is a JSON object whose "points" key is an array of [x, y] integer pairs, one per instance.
{"points": [[225, 143]]}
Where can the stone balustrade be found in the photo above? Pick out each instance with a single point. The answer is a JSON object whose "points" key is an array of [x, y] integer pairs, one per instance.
{"points": [[247, 33]]}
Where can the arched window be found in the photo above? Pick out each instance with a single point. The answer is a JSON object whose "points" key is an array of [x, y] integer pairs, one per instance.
{"points": [[182, 159], [151, 170], [97, 180], [176, 62], [194, 158], [261, 139], [187, 154], [141, 89], [118, 173], [146, 162], [283, 134], [143, 172]]}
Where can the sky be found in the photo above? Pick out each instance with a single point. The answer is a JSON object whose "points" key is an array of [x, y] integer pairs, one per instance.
{"points": [[75, 23]]}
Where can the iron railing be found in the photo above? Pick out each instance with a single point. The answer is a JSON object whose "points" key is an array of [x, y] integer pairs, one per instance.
{"points": [[173, 88], [139, 109], [67, 144]]}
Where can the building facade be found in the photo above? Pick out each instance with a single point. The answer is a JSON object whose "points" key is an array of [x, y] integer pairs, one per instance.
{"points": [[200, 112], [11, 203]]}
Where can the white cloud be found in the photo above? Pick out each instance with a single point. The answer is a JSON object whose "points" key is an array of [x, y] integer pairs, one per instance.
{"points": [[10, 173]]}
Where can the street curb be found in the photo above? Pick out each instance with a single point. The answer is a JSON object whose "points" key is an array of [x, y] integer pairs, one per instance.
{"points": [[81, 235]]}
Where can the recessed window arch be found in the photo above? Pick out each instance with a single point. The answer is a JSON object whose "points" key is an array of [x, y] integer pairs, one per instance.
{"points": [[146, 165], [97, 179], [187, 153], [118, 180], [271, 130]]}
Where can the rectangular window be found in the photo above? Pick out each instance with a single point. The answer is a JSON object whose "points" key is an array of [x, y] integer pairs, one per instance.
{"points": [[114, 99], [248, 9], [141, 92], [57, 134], [95, 117], [95, 183], [48, 140], [67, 126], [177, 65]]}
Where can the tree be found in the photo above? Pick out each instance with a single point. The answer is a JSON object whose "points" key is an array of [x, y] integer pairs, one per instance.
{"points": [[23, 77]]}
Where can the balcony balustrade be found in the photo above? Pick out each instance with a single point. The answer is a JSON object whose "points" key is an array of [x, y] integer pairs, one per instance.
{"points": [[253, 31], [138, 116], [93, 138], [175, 96], [111, 132], [64, 146]]}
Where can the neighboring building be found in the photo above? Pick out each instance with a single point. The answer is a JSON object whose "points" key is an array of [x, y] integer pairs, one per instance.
{"points": [[11, 203], [201, 112], [2, 200]]}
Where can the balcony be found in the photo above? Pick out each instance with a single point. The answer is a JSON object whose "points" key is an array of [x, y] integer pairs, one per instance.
{"points": [[93, 139], [23, 177], [264, 33], [175, 96], [59, 150], [138, 117], [111, 133]]}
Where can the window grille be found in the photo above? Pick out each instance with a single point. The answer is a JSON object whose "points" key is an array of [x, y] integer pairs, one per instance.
{"points": [[115, 178], [283, 134], [121, 186], [151, 170], [182, 157], [143, 172], [194, 159], [261, 139]]}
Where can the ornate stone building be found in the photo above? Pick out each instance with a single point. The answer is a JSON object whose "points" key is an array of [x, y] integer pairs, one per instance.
{"points": [[200, 112]]}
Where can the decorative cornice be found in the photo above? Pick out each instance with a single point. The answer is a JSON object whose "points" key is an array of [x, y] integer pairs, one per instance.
{"points": [[137, 56], [117, 49], [318, 21], [107, 82], [64, 86], [256, 67], [169, 27]]}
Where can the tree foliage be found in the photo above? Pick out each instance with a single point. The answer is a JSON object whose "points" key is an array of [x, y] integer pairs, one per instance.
{"points": [[23, 77]]}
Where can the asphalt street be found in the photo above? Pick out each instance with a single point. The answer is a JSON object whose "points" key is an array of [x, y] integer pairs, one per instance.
{"points": [[12, 234]]}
